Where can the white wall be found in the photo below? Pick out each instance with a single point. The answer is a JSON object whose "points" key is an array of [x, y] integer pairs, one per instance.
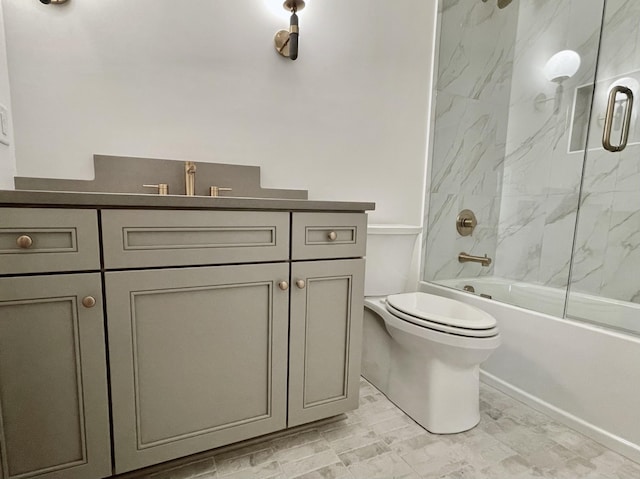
{"points": [[200, 80], [7, 153]]}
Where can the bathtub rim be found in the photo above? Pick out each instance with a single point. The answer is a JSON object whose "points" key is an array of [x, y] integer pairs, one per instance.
{"points": [[585, 324]]}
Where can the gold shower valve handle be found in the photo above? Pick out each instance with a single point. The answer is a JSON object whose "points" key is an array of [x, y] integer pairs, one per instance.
{"points": [[24, 241], [332, 236], [466, 222]]}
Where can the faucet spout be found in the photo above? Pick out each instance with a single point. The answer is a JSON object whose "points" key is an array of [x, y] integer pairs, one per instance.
{"points": [[189, 178], [483, 260]]}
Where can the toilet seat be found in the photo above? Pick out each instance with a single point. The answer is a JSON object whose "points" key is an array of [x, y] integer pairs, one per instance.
{"points": [[442, 315]]}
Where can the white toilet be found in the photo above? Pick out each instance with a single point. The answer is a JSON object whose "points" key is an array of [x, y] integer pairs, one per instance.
{"points": [[422, 351]]}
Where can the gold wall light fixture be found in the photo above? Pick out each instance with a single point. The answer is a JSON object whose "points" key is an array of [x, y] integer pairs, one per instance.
{"points": [[287, 41], [53, 2]]}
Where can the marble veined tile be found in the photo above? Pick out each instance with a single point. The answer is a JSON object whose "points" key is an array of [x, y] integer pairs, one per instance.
{"points": [[476, 49], [622, 257], [520, 234], [619, 48], [469, 142], [591, 242], [557, 240], [601, 171], [628, 171], [532, 138]]}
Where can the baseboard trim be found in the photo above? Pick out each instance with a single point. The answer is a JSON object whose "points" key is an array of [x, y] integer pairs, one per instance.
{"points": [[613, 442]]}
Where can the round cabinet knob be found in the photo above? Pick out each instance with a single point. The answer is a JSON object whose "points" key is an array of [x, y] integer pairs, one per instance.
{"points": [[24, 242], [88, 301], [300, 283], [283, 285], [332, 236]]}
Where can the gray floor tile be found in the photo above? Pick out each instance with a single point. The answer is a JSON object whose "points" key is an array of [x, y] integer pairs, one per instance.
{"points": [[378, 441], [332, 471], [311, 463], [186, 471], [386, 466], [363, 453]]}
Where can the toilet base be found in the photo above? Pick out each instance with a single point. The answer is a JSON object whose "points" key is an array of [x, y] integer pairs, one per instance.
{"points": [[432, 376], [442, 399]]}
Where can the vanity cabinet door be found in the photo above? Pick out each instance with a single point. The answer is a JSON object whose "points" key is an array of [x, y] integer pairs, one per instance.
{"points": [[198, 358], [54, 414], [325, 338]]}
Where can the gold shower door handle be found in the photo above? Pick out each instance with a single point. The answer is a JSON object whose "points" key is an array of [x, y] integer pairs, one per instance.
{"points": [[608, 119]]}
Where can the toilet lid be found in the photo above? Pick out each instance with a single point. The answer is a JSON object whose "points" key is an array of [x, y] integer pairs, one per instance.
{"points": [[443, 328], [445, 311]]}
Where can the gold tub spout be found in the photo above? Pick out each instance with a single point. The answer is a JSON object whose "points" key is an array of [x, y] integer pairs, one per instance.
{"points": [[465, 258]]}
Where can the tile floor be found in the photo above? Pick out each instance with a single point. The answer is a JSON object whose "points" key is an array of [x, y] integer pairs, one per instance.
{"points": [[380, 441]]}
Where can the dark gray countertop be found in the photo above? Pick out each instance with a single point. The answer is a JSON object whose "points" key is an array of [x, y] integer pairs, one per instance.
{"points": [[119, 200]]}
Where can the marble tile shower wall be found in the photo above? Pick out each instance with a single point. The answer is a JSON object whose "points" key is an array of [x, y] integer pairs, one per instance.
{"points": [[470, 131], [508, 157], [541, 176]]}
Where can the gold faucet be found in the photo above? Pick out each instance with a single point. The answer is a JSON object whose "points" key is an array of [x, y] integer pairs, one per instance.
{"points": [[483, 260], [189, 178]]}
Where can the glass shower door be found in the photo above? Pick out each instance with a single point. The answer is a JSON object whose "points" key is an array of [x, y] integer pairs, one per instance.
{"points": [[605, 275], [512, 102]]}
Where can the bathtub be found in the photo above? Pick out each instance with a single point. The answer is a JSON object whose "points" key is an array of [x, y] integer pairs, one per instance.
{"points": [[583, 375], [620, 315]]}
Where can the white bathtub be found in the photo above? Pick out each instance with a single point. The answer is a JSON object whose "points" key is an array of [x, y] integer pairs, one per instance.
{"points": [[583, 375], [620, 315]]}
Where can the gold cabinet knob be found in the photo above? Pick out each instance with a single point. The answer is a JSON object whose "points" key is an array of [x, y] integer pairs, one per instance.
{"points": [[300, 284], [24, 241], [332, 235], [88, 301], [283, 285]]}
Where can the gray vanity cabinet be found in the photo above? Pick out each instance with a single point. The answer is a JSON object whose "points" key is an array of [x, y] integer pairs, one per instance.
{"points": [[198, 358], [53, 387], [208, 343], [325, 338]]}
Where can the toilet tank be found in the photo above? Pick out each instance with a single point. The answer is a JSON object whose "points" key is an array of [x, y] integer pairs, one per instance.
{"points": [[392, 259]]}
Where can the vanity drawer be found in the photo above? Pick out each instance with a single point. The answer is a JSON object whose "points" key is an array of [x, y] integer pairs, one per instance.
{"points": [[40, 240], [328, 235], [143, 238]]}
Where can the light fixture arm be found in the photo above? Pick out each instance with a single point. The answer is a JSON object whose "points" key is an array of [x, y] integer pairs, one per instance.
{"points": [[286, 42], [294, 31]]}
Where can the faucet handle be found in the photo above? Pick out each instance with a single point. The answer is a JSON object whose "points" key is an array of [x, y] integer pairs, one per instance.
{"points": [[163, 188], [215, 190]]}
